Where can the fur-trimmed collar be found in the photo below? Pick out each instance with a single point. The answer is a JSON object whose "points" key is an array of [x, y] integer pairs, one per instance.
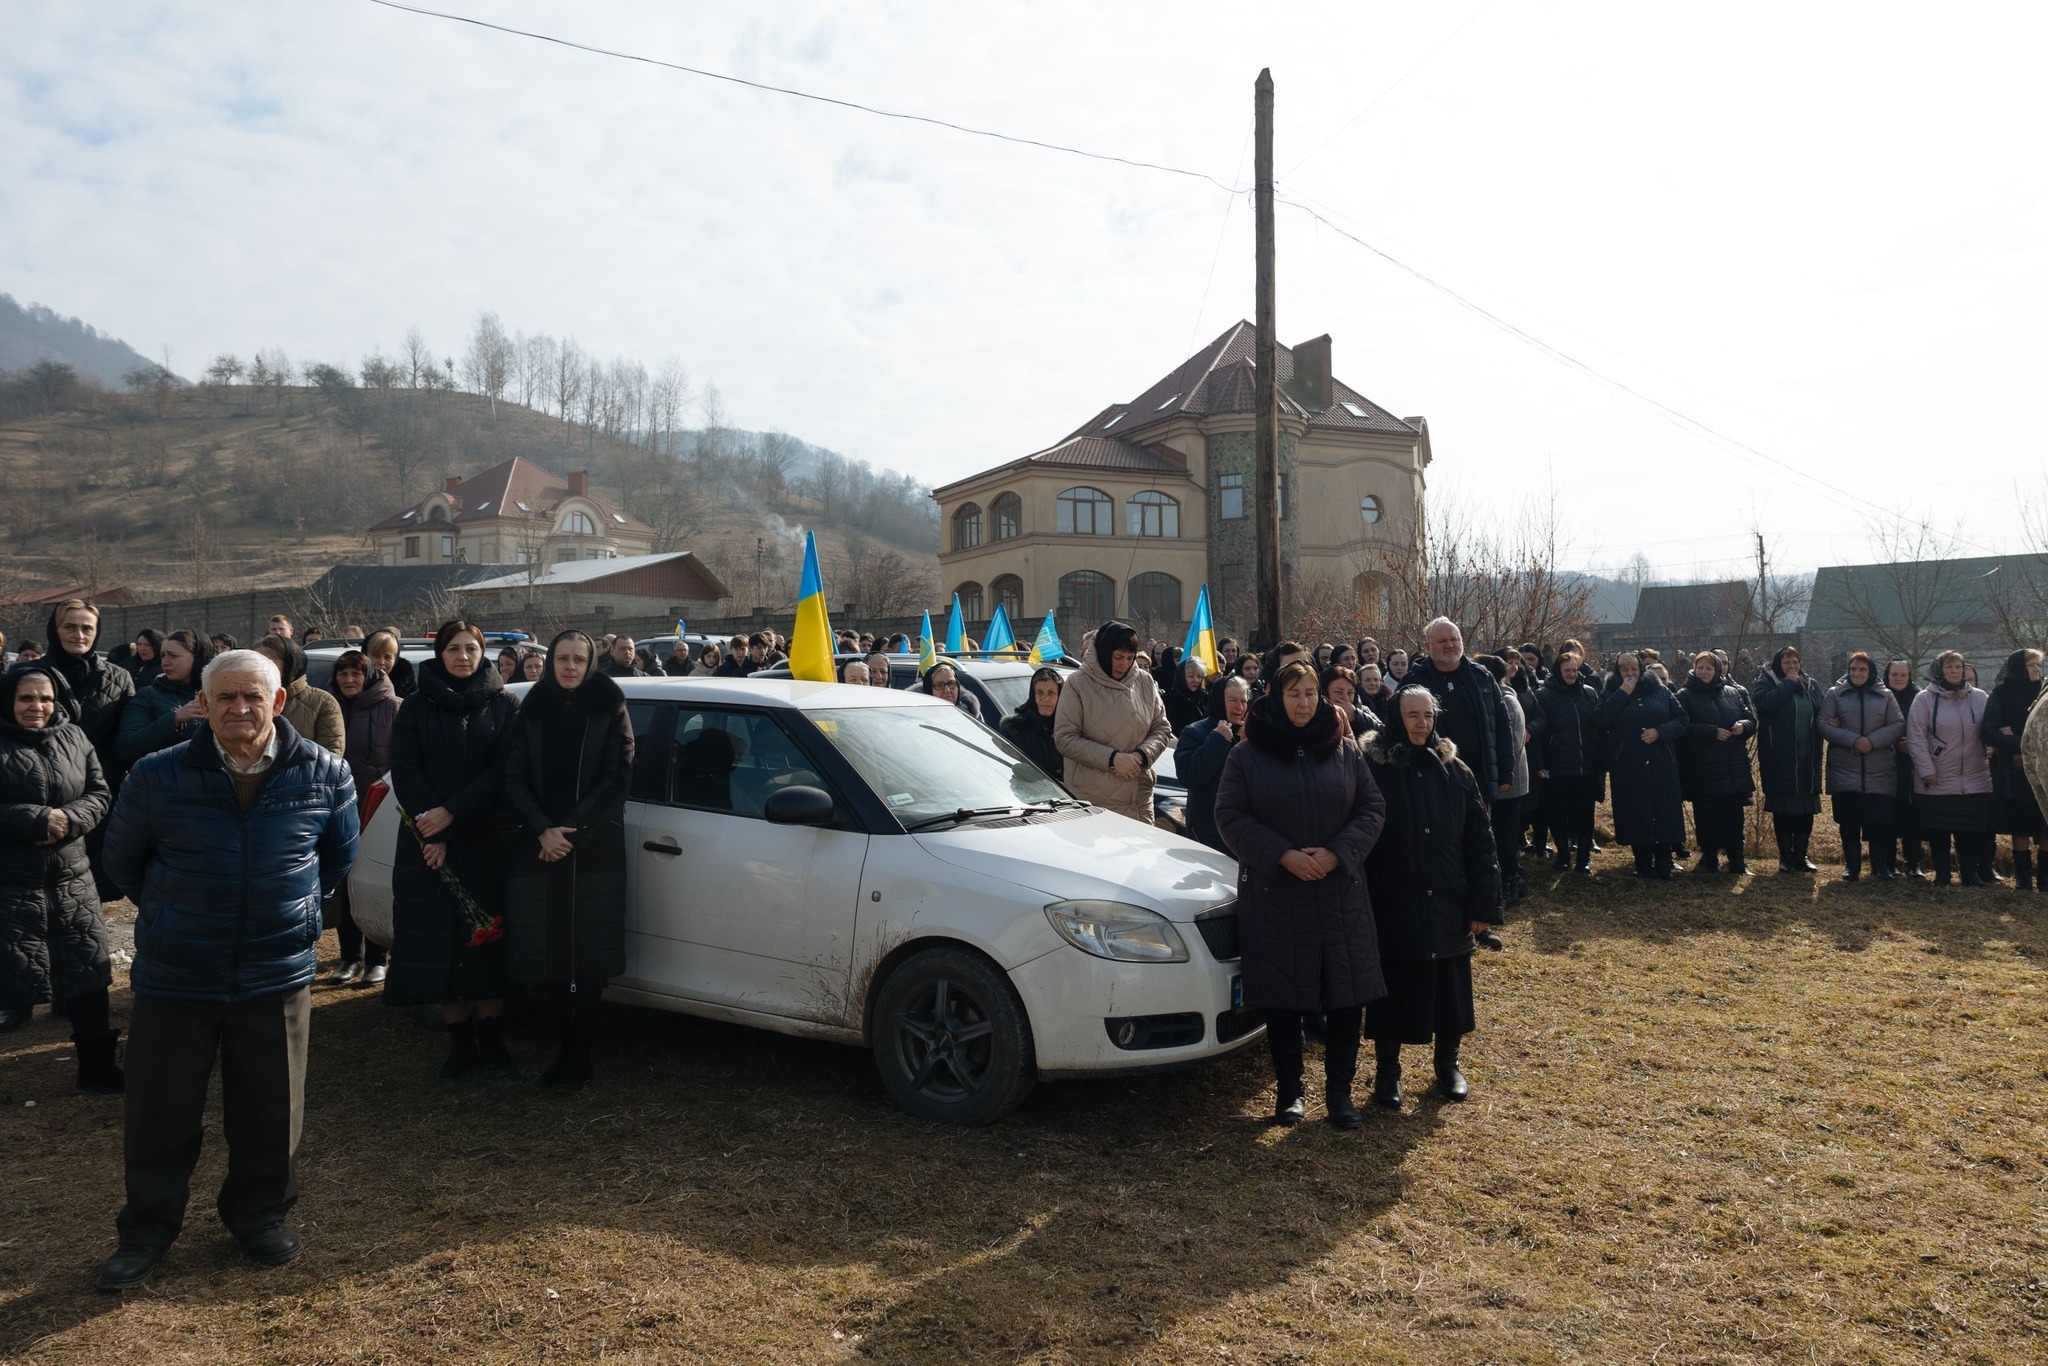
{"points": [[1387, 747]]}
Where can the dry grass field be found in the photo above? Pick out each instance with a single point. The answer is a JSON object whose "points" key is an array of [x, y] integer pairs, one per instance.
{"points": [[1786, 1120]]}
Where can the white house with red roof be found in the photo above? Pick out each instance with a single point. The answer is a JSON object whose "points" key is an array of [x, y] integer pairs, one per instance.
{"points": [[513, 513]]}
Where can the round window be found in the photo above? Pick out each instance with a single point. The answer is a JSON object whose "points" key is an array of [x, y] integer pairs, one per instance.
{"points": [[1369, 508]]}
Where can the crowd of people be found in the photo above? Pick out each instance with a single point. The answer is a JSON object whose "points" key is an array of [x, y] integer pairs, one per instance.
{"points": [[1378, 806]]}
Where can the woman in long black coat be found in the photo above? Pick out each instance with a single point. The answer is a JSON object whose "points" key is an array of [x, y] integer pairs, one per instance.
{"points": [[1298, 808], [99, 693], [568, 767], [448, 774], [1029, 727], [1435, 877], [1644, 724], [369, 714], [53, 937], [1713, 761], [1185, 690], [1790, 754], [1570, 741], [1903, 847], [2014, 811]]}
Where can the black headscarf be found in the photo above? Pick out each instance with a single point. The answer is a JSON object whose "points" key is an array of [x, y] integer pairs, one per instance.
{"points": [[10, 683], [1270, 729], [596, 692], [2014, 690], [1114, 636], [291, 660]]}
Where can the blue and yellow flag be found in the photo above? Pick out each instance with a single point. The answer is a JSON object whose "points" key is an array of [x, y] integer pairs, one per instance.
{"points": [[1047, 647], [1201, 643], [999, 635], [956, 630], [926, 655], [682, 628], [810, 645]]}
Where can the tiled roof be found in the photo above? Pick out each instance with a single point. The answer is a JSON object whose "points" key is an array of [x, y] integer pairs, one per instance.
{"points": [[500, 490], [1107, 453], [1220, 378], [1677, 606], [390, 588]]}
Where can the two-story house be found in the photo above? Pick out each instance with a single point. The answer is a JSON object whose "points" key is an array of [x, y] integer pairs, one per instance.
{"points": [[513, 513]]}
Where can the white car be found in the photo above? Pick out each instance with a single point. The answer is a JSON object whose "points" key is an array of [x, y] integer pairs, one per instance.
{"points": [[871, 866]]}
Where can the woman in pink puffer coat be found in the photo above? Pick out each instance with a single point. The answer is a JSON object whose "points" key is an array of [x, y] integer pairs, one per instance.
{"points": [[1951, 771]]}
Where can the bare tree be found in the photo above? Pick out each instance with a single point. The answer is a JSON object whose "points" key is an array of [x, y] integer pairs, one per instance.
{"points": [[1500, 584], [199, 548], [1911, 601], [883, 583], [487, 363], [96, 562], [569, 365], [666, 398], [415, 359]]}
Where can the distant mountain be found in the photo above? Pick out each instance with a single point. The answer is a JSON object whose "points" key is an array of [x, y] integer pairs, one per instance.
{"points": [[35, 333]]}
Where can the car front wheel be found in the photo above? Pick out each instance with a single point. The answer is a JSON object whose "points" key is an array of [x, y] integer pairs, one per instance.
{"points": [[951, 1039]]}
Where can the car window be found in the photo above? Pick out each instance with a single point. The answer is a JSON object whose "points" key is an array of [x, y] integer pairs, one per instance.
{"points": [[926, 761], [733, 761], [1009, 693], [650, 760]]}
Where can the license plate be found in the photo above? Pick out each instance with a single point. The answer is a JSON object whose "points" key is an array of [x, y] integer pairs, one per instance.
{"points": [[1237, 991]]}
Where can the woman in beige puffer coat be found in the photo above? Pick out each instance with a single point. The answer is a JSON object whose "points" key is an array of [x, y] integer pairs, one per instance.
{"points": [[1111, 726]]}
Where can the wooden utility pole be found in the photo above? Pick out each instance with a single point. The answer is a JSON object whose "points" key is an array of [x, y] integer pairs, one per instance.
{"points": [[1266, 486]]}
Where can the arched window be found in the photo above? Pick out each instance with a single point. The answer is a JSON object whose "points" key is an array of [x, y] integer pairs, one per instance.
{"points": [[1155, 597], [1008, 510], [437, 513], [967, 527], [1369, 508], [1087, 598], [970, 601], [1151, 513], [1008, 590], [578, 524], [1085, 512]]}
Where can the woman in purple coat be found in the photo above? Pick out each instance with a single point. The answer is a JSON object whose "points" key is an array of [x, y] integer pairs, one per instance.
{"points": [[1298, 808]]}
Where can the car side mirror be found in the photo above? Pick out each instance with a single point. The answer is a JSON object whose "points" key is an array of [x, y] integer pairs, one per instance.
{"points": [[799, 806]]}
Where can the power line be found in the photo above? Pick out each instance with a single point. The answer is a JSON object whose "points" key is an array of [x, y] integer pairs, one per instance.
{"points": [[1691, 425], [1345, 127], [820, 99]]}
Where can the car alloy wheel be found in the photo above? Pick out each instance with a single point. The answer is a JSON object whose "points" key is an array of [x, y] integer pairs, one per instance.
{"points": [[945, 1041], [950, 1038]]}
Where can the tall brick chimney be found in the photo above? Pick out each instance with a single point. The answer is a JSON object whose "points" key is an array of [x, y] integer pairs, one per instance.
{"points": [[1312, 369], [579, 484], [452, 485]]}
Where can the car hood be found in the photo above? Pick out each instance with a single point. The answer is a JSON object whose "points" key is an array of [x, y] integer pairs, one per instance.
{"points": [[1095, 856]]}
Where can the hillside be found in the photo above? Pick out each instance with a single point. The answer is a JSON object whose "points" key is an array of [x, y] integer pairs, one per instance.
{"points": [[176, 492], [36, 333]]}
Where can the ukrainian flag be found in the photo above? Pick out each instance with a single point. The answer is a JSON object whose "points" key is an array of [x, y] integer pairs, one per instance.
{"points": [[810, 645], [1047, 647], [956, 630], [926, 655], [999, 635], [1201, 643]]}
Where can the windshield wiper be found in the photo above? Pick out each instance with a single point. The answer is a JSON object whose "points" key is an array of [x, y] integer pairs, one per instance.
{"points": [[966, 813]]}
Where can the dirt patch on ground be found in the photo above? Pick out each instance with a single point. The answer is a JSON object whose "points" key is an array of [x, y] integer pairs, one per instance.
{"points": [[1711, 1121]]}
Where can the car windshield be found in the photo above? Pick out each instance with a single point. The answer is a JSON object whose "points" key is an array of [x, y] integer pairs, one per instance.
{"points": [[1009, 694], [929, 761]]}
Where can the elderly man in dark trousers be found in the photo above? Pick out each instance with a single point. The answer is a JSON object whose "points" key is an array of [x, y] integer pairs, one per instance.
{"points": [[227, 843]]}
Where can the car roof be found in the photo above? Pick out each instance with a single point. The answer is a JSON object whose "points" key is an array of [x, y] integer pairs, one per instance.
{"points": [[771, 692]]}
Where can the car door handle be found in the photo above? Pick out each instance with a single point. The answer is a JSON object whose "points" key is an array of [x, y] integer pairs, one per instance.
{"points": [[654, 848]]}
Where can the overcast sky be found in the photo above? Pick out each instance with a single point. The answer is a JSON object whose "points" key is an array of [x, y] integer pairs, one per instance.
{"points": [[1820, 230]]}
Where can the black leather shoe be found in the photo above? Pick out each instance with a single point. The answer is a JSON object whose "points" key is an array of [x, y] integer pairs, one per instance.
{"points": [[1451, 1084], [1289, 1108], [272, 1245], [1562, 863], [1738, 867], [129, 1267], [1388, 1095], [1343, 1110]]}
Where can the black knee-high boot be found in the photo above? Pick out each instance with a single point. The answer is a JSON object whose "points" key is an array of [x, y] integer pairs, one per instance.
{"points": [[1987, 859], [2023, 870], [1386, 1079], [1852, 855], [98, 1072], [1781, 828], [1283, 1041], [1802, 845], [1937, 849], [1644, 867], [1340, 1064], [1450, 1078]]}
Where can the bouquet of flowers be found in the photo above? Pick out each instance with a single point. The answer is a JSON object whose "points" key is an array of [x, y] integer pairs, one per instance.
{"points": [[483, 926]]}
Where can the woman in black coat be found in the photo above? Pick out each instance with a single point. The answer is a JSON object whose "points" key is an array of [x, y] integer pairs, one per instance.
{"points": [[1185, 690], [2014, 811], [447, 772], [1790, 754], [145, 659], [99, 691], [1903, 847], [1435, 878], [1298, 808], [53, 937], [1644, 724], [1029, 727], [369, 714], [1713, 761], [1570, 743], [568, 767]]}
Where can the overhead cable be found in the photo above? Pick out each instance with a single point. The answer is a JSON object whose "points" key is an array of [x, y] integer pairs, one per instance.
{"points": [[808, 95]]}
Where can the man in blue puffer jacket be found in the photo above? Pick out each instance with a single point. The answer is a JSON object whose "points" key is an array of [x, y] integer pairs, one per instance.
{"points": [[227, 843]]}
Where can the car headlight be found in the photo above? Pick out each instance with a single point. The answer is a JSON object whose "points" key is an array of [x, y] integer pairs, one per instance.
{"points": [[1110, 929]]}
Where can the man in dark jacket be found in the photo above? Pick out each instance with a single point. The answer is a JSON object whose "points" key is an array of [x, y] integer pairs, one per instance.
{"points": [[227, 843], [1470, 713], [1199, 758], [619, 660]]}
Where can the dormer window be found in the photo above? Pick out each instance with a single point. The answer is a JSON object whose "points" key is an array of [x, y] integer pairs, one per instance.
{"points": [[578, 524]]}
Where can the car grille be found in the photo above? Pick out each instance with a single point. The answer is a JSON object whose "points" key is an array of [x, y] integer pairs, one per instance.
{"points": [[1219, 932]]}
